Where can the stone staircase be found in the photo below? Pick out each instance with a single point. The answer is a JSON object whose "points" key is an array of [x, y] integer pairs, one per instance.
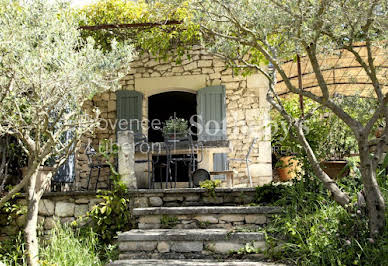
{"points": [[185, 243], [196, 235], [204, 217]]}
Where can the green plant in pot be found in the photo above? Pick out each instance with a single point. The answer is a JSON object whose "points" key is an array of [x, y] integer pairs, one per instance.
{"points": [[287, 151], [336, 147], [285, 148], [339, 144], [175, 128]]}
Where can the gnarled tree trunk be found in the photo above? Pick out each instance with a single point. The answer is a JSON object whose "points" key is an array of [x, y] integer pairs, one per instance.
{"points": [[373, 197], [32, 219]]}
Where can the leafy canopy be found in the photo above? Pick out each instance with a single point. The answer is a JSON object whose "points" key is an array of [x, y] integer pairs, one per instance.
{"points": [[47, 72], [160, 41]]}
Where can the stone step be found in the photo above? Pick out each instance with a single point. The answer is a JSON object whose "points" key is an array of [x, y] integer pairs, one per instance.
{"points": [[190, 263], [193, 217], [186, 244], [178, 197]]}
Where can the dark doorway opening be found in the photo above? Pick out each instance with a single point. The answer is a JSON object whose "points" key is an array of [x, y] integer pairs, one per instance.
{"points": [[170, 104], [161, 107]]}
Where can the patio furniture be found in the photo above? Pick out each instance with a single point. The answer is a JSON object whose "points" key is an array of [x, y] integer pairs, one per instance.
{"points": [[245, 160], [187, 158], [91, 153]]}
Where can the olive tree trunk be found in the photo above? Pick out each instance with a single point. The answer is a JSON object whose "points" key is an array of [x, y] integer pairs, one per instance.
{"points": [[373, 197], [31, 224]]}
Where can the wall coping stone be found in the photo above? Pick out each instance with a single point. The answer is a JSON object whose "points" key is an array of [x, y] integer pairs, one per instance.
{"points": [[207, 210], [189, 235], [141, 192], [64, 194], [189, 190]]}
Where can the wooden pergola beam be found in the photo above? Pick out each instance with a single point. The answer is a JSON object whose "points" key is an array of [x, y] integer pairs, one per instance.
{"points": [[131, 25]]}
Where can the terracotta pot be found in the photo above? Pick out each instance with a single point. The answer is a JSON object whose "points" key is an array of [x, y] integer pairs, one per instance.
{"points": [[335, 169], [43, 174], [290, 168]]}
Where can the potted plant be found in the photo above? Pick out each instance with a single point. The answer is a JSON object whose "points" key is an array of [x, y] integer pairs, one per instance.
{"points": [[285, 147], [175, 128], [336, 147], [287, 152]]}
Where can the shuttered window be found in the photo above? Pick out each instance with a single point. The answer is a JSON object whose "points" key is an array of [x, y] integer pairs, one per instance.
{"points": [[212, 113], [129, 110]]}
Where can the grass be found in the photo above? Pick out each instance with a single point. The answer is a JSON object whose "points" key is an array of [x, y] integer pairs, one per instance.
{"points": [[65, 246]]}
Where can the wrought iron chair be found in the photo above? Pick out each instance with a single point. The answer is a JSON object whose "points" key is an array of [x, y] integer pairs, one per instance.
{"points": [[245, 160], [188, 159], [91, 153]]}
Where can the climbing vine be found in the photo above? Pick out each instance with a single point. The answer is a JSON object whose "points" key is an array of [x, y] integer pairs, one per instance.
{"points": [[161, 41]]}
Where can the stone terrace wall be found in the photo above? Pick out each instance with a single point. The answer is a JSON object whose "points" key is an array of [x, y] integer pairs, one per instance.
{"points": [[247, 109], [66, 207], [63, 207]]}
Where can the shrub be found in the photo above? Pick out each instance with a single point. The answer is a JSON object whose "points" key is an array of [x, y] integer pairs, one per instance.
{"points": [[113, 214], [210, 186], [269, 193], [316, 231]]}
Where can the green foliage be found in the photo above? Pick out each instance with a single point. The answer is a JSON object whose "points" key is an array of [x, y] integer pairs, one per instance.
{"points": [[314, 231], [210, 186], [269, 193], [11, 210], [204, 224], [69, 246], [47, 72], [175, 126], [168, 221], [248, 248], [113, 214], [65, 246], [12, 250], [159, 41], [328, 136]]}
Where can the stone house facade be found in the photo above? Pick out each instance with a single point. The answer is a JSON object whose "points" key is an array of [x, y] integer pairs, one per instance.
{"points": [[200, 85]]}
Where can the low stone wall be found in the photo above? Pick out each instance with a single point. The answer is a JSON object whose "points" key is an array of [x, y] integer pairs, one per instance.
{"points": [[65, 207]]}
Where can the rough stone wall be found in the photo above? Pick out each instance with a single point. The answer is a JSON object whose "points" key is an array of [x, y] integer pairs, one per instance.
{"points": [[247, 111], [61, 208], [66, 207]]}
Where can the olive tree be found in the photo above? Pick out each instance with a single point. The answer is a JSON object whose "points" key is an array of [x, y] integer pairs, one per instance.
{"points": [[47, 72], [260, 35]]}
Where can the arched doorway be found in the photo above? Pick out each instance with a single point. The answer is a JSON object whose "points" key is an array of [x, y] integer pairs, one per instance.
{"points": [[162, 106]]}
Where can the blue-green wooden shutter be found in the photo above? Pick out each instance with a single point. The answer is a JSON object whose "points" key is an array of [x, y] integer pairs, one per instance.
{"points": [[211, 107], [129, 108]]}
